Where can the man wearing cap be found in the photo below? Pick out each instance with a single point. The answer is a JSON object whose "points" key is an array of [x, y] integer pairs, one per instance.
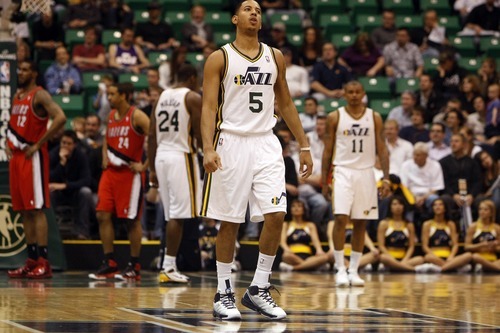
{"points": [[280, 41], [155, 35]]}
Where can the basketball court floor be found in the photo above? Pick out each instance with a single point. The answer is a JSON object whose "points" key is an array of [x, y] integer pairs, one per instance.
{"points": [[388, 303]]}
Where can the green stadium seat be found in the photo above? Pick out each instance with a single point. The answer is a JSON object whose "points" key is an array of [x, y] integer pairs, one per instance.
{"points": [[194, 58], [383, 106], [140, 81], [400, 7], [332, 7], [363, 7], [470, 64], [220, 21], [292, 21], [91, 81], [111, 37], [73, 37], [342, 42], [176, 5], [490, 46], [72, 105], [430, 65], [177, 19], [43, 65], [368, 22], [295, 39], [335, 24], [221, 38], [464, 46], [215, 5], [409, 21], [299, 104], [331, 104], [156, 58], [442, 7], [403, 85], [451, 23], [141, 16], [376, 87], [137, 5]]}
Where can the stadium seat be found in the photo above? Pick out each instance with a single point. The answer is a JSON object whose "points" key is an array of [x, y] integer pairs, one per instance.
{"points": [[220, 21], [194, 58], [72, 105], [140, 81], [343, 41], [331, 104], [464, 46], [368, 22], [43, 65], [442, 7], [91, 81], [176, 5], [400, 7], [299, 104], [451, 23], [73, 37], [332, 7], [383, 106], [215, 5], [335, 24], [141, 16], [403, 84], [295, 39], [176, 19], [376, 87], [470, 64], [221, 38], [490, 46], [430, 65], [409, 21], [111, 37], [156, 58], [291, 20], [363, 7]]}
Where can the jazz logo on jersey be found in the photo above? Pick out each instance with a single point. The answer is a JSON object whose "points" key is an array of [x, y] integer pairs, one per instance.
{"points": [[253, 77], [276, 200], [356, 130]]}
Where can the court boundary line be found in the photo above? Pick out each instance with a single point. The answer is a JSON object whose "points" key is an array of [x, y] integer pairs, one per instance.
{"points": [[23, 327]]}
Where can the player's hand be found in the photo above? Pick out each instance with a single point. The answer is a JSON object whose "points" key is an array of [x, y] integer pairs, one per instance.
{"points": [[31, 150], [327, 192], [211, 161], [105, 162], [306, 164], [8, 152], [153, 180], [385, 190], [136, 167]]}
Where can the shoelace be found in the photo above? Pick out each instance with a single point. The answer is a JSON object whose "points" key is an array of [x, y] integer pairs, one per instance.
{"points": [[265, 294], [228, 300]]}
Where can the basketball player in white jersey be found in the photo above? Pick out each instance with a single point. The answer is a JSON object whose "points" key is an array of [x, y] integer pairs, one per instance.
{"points": [[353, 140], [242, 157], [175, 123]]}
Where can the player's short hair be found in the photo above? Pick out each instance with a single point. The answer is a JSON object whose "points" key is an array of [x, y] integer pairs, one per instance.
{"points": [[186, 71], [33, 65], [126, 88]]}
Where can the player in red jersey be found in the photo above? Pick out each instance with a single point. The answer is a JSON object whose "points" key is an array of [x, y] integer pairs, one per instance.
{"points": [[26, 147], [120, 187]]}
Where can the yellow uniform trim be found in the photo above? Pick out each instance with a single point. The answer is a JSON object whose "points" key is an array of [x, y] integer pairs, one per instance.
{"points": [[441, 252], [397, 253], [259, 55], [300, 248], [192, 183]]}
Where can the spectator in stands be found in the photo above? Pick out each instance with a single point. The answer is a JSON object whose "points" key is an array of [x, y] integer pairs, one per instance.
{"points": [[402, 58], [362, 58], [402, 113], [82, 14], [454, 120], [69, 182], [23, 52], [89, 56], [440, 242], [197, 33], [449, 75], [78, 125], [484, 19], [400, 150], [127, 56], [155, 34], [477, 120], [272, 7], [431, 38], [168, 69], [469, 90], [47, 35], [487, 74], [459, 166], [153, 77], [311, 49], [101, 103], [386, 33], [396, 239], [310, 114], [296, 239], [116, 15], [279, 40], [93, 135], [451, 104], [490, 173], [437, 147], [470, 148], [464, 7], [428, 97], [417, 132], [62, 78], [328, 76], [423, 176], [492, 124], [483, 239], [296, 76]]}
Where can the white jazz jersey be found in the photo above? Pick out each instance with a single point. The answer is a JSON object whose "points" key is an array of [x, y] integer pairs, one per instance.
{"points": [[246, 105], [173, 122], [355, 140]]}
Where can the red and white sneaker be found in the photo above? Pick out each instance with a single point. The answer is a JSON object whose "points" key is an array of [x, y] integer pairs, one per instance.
{"points": [[21, 272], [41, 271], [107, 270], [130, 273]]}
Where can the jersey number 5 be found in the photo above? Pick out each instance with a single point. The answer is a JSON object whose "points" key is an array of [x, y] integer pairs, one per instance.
{"points": [[255, 103], [164, 124]]}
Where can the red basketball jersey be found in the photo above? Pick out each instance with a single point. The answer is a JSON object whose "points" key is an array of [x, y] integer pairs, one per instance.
{"points": [[25, 126], [125, 145]]}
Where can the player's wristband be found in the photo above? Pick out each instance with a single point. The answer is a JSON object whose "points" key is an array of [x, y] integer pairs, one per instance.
{"points": [[305, 149]]}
